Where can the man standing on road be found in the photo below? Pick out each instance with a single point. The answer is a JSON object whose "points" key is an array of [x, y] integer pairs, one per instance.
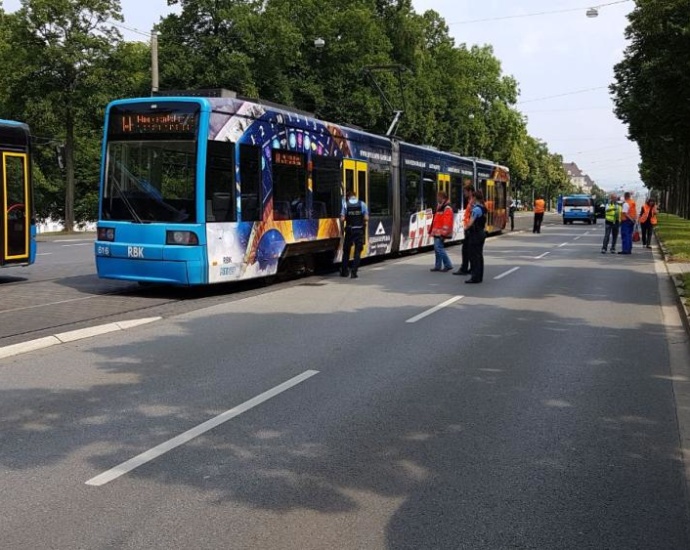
{"points": [[468, 194], [539, 209], [648, 221], [355, 216], [476, 236], [511, 214], [613, 221], [628, 219]]}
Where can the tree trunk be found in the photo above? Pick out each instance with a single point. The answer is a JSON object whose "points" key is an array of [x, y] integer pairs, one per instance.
{"points": [[69, 169]]}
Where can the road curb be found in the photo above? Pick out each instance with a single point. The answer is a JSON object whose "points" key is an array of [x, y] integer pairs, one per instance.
{"points": [[72, 336], [683, 308]]}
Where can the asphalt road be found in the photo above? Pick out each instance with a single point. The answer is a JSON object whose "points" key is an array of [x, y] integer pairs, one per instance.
{"points": [[537, 411], [62, 292]]}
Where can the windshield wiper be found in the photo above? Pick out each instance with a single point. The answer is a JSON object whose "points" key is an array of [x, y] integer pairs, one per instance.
{"points": [[153, 192], [128, 204]]}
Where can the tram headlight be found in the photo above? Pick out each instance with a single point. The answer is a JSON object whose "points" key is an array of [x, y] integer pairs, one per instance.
{"points": [[106, 234], [181, 238]]}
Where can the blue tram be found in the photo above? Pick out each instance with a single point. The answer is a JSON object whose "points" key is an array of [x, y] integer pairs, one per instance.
{"points": [[207, 190], [17, 229]]}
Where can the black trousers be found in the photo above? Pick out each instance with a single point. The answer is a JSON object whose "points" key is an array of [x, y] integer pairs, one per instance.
{"points": [[476, 253], [353, 237], [538, 219], [465, 266], [512, 221], [647, 232]]}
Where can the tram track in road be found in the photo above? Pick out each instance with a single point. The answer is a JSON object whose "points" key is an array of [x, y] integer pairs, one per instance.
{"points": [[85, 307]]}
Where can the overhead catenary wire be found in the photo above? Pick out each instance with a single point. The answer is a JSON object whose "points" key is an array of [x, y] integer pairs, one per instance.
{"points": [[564, 94], [570, 110], [536, 14], [130, 29]]}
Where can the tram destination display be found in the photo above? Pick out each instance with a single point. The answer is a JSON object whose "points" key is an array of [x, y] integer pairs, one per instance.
{"points": [[168, 121]]}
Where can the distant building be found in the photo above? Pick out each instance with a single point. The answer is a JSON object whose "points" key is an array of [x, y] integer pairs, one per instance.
{"points": [[578, 178]]}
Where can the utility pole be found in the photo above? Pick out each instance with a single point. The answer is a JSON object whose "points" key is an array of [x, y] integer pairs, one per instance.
{"points": [[154, 62]]}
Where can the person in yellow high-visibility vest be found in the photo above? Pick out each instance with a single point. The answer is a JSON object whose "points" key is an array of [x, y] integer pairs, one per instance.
{"points": [[613, 222]]}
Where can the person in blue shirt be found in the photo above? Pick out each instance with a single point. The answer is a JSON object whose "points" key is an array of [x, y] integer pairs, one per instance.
{"points": [[355, 216], [475, 231]]}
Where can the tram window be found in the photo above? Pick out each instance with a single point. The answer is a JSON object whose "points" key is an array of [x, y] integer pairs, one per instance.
{"points": [[379, 191], [456, 192], [326, 180], [429, 190], [220, 182], [349, 181], [412, 192], [289, 185], [250, 180]]}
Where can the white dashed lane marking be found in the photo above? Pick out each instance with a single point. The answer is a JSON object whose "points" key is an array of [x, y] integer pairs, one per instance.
{"points": [[503, 275]]}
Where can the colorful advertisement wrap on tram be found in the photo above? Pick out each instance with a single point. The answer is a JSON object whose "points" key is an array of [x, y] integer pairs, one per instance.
{"points": [[199, 191], [290, 191], [423, 173], [260, 186]]}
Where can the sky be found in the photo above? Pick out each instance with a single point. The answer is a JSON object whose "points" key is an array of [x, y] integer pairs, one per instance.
{"points": [[550, 55]]}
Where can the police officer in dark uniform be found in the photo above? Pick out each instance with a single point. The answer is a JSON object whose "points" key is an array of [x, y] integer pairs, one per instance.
{"points": [[475, 230], [355, 216], [468, 194]]}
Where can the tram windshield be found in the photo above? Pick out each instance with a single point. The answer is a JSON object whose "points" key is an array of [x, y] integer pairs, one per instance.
{"points": [[150, 181]]}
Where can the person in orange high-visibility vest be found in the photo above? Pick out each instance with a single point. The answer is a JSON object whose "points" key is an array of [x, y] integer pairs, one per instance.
{"points": [[468, 195], [539, 209], [628, 220], [647, 222], [442, 229]]}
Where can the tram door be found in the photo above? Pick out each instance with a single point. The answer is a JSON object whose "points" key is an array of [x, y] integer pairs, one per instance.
{"points": [[356, 178], [444, 184], [490, 205], [14, 200]]}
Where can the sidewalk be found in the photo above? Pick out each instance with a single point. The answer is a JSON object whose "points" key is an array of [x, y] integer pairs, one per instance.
{"points": [[60, 236]]}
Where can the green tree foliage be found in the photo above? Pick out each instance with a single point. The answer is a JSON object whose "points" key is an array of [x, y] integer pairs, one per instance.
{"points": [[457, 98], [652, 96], [69, 60]]}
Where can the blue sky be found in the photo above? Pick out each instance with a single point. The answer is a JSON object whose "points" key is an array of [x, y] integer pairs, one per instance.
{"points": [[549, 55]]}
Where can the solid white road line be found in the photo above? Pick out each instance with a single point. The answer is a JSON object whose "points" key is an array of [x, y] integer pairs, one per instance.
{"points": [[72, 336], [201, 429], [509, 272], [72, 245], [45, 254], [90, 332], [562, 245], [433, 310], [26, 347], [544, 255]]}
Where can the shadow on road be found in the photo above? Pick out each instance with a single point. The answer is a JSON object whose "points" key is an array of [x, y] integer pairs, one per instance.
{"points": [[494, 448]]}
